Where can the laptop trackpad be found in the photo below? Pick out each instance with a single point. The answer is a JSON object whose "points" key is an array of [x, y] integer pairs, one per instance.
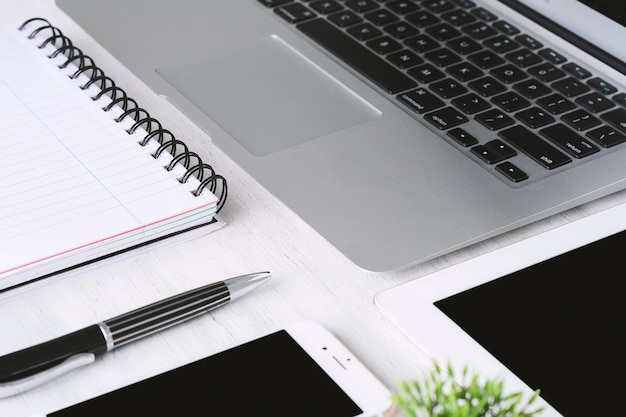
{"points": [[267, 96]]}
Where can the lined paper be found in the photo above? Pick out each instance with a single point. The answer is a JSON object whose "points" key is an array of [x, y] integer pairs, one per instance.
{"points": [[73, 178]]}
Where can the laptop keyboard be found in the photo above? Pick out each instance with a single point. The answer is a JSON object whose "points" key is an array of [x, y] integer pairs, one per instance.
{"points": [[517, 106]]}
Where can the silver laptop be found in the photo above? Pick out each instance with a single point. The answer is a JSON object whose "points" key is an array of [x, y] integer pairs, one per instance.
{"points": [[399, 130]]}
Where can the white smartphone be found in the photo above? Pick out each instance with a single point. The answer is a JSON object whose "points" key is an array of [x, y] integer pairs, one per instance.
{"points": [[301, 370]]}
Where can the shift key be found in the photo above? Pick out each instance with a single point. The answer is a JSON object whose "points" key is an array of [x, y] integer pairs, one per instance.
{"points": [[535, 147]]}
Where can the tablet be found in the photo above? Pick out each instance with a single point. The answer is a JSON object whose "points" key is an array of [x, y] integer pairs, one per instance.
{"points": [[545, 313]]}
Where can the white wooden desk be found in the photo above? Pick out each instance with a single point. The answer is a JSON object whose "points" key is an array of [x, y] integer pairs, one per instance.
{"points": [[311, 279]]}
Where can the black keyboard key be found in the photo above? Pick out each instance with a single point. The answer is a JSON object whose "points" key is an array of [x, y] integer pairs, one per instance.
{"points": [[580, 120], [602, 86], [470, 103], [466, 4], [510, 101], [359, 57], [546, 72], [484, 14], [442, 57], [502, 148], [532, 89], [535, 147], [501, 44], [384, 45], [361, 6], [595, 102], [462, 137], [405, 59], [569, 141], [570, 87], [458, 17], [606, 136], [465, 71], [422, 43], [443, 32], [402, 6], [576, 70], [494, 119], [401, 30], [294, 13], [487, 155], [534, 117], [508, 73], [506, 28], [464, 45], [556, 104], [512, 172], [448, 88], [487, 86], [345, 18], [494, 151], [479, 30], [529, 42], [486, 59], [422, 19], [438, 6], [620, 99], [420, 100], [445, 118], [426, 73], [617, 118], [523, 58], [552, 56], [364, 31], [325, 6], [381, 17]]}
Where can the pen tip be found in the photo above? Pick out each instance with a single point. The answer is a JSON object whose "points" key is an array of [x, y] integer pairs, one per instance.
{"points": [[241, 285]]}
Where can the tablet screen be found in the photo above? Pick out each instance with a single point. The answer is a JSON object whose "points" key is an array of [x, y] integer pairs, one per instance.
{"points": [[557, 325]]}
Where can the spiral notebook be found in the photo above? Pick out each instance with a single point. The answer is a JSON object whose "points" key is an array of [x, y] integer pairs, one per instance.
{"points": [[86, 173]]}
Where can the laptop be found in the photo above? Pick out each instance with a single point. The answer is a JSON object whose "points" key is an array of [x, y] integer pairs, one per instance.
{"points": [[543, 313], [398, 130]]}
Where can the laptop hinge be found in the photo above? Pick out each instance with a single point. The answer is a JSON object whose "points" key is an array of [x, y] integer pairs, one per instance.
{"points": [[566, 34]]}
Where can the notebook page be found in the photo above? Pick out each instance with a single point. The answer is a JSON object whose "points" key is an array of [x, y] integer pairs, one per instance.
{"points": [[72, 177]]}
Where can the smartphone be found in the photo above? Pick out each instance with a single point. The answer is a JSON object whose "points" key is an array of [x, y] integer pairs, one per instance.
{"points": [[299, 371]]}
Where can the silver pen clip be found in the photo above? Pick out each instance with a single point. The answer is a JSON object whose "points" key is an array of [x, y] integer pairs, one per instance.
{"points": [[20, 385]]}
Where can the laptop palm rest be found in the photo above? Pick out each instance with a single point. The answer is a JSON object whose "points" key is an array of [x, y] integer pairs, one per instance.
{"points": [[234, 87]]}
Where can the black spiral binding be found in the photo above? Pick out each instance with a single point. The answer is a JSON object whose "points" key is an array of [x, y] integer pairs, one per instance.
{"points": [[181, 154]]}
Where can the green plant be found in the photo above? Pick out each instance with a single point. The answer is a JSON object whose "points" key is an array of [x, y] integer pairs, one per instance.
{"points": [[441, 394]]}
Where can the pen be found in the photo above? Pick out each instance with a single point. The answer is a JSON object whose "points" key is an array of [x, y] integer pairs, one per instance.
{"points": [[24, 369]]}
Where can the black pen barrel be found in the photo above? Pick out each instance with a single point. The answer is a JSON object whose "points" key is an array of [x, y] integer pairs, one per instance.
{"points": [[34, 359], [125, 328], [152, 318]]}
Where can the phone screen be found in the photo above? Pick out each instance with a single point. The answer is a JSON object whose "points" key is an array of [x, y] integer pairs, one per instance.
{"points": [[271, 375]]}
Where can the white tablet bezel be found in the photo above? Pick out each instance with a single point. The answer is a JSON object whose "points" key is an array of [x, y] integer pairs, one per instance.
{"points": [[411, 305]]}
